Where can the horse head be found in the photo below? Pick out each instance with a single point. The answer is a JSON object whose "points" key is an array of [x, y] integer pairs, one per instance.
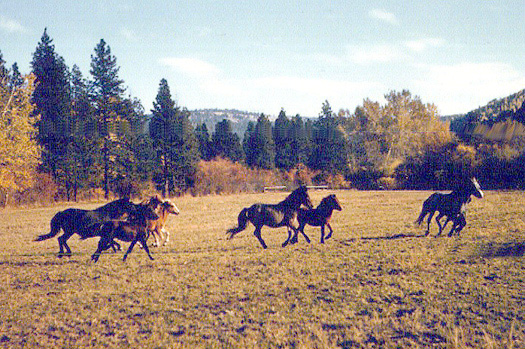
{"points": [[335, 202], [301, 196], [475, 188], [170, 207]]}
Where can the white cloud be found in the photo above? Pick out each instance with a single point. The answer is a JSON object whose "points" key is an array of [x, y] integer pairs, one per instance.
{"points": [[382, 53], [192, 67], [461, 87], [420, 45], [384, 16], [128, 34], [11, 25]]}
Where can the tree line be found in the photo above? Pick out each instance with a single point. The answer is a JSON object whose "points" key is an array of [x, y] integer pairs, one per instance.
{"points": [[86, 133]]}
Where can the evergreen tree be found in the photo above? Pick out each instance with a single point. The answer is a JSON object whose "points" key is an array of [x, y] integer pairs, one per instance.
{"points": [[175, 142], [282, 131], [185, 153], [260, 148], [226, 143], [82, 149], [205, 146], [52, 102], [247, 139], [330, 143], [108, 91], [16, 78], [299, 141], [162, 131], [4, 72]]}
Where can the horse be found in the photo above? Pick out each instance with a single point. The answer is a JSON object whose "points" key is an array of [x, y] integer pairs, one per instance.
{"points": [[318, 217], [451, 205], [273, 215], [133, 230], [85, 223], [156, 227]]}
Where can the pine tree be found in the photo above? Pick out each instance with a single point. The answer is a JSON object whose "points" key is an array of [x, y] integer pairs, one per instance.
{"points": [[205, 146], [260, 148], [175, 141], [226, 143], [162, 131], [330, 143], [282, 135], [108, 91], [52, 102], [299, 141]]}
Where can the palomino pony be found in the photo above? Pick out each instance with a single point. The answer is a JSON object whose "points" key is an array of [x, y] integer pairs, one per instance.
{"points": [[85, 223], [156, 227], [451, 205], [279, 215], [318, 217]]}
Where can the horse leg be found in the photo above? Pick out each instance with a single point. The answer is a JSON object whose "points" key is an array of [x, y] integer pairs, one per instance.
{"points": [[142, 239], [103, 244], [439, 216], [130, 248], [257, 234], [62, 243], [304, 234], [167, 239], [289, 238], [115, 245], [330, 232], [429, 220], [459, 224]]}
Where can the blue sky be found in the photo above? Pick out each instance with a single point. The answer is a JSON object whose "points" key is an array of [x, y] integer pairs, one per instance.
{"points": [[266, 55]]}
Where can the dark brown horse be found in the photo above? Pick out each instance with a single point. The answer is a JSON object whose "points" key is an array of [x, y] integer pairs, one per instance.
{"points": [[318, 217], [85, 223], [279, 215], [134, 230], [451, 205]]}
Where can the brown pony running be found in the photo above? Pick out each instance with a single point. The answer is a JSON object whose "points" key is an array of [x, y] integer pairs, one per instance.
{"points": [[134, 230], [278, 215], [317, 217]]}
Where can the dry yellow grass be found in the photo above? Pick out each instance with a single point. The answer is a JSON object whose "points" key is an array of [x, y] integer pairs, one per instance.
{"points": [[375, 284]]}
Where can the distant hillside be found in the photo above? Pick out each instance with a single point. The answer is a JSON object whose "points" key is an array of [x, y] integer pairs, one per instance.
{"points": [[211, 117], [483, 121]]}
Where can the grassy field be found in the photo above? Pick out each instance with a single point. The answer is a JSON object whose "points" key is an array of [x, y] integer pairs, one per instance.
{"points": [[378, 283]]}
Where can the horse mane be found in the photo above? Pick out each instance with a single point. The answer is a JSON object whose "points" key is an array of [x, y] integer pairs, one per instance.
{"points": [[291, 198], [116, 204]]}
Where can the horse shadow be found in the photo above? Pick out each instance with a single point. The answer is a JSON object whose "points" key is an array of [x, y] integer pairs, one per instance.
{"points": [[348, 242], [500, 250]]}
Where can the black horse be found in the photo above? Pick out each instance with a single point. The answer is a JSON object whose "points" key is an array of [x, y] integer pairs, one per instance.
{"points": [[318, 217], [451, 205], [133, 230], [279, 215], [85, 223]]}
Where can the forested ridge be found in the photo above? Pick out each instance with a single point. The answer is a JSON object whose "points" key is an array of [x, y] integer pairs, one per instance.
{"points": [[65, 136]]}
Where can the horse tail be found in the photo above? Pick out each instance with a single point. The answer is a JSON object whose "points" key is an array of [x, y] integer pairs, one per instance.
{"points": [[241, 225], [56, 224], [422, 215], [426, 208]]}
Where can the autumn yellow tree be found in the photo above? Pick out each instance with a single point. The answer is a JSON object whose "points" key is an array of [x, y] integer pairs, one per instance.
{"points": [[19, 152], [403, 127]]}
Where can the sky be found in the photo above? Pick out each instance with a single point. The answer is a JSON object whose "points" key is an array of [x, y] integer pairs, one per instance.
{"points": [[264, 56]]}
